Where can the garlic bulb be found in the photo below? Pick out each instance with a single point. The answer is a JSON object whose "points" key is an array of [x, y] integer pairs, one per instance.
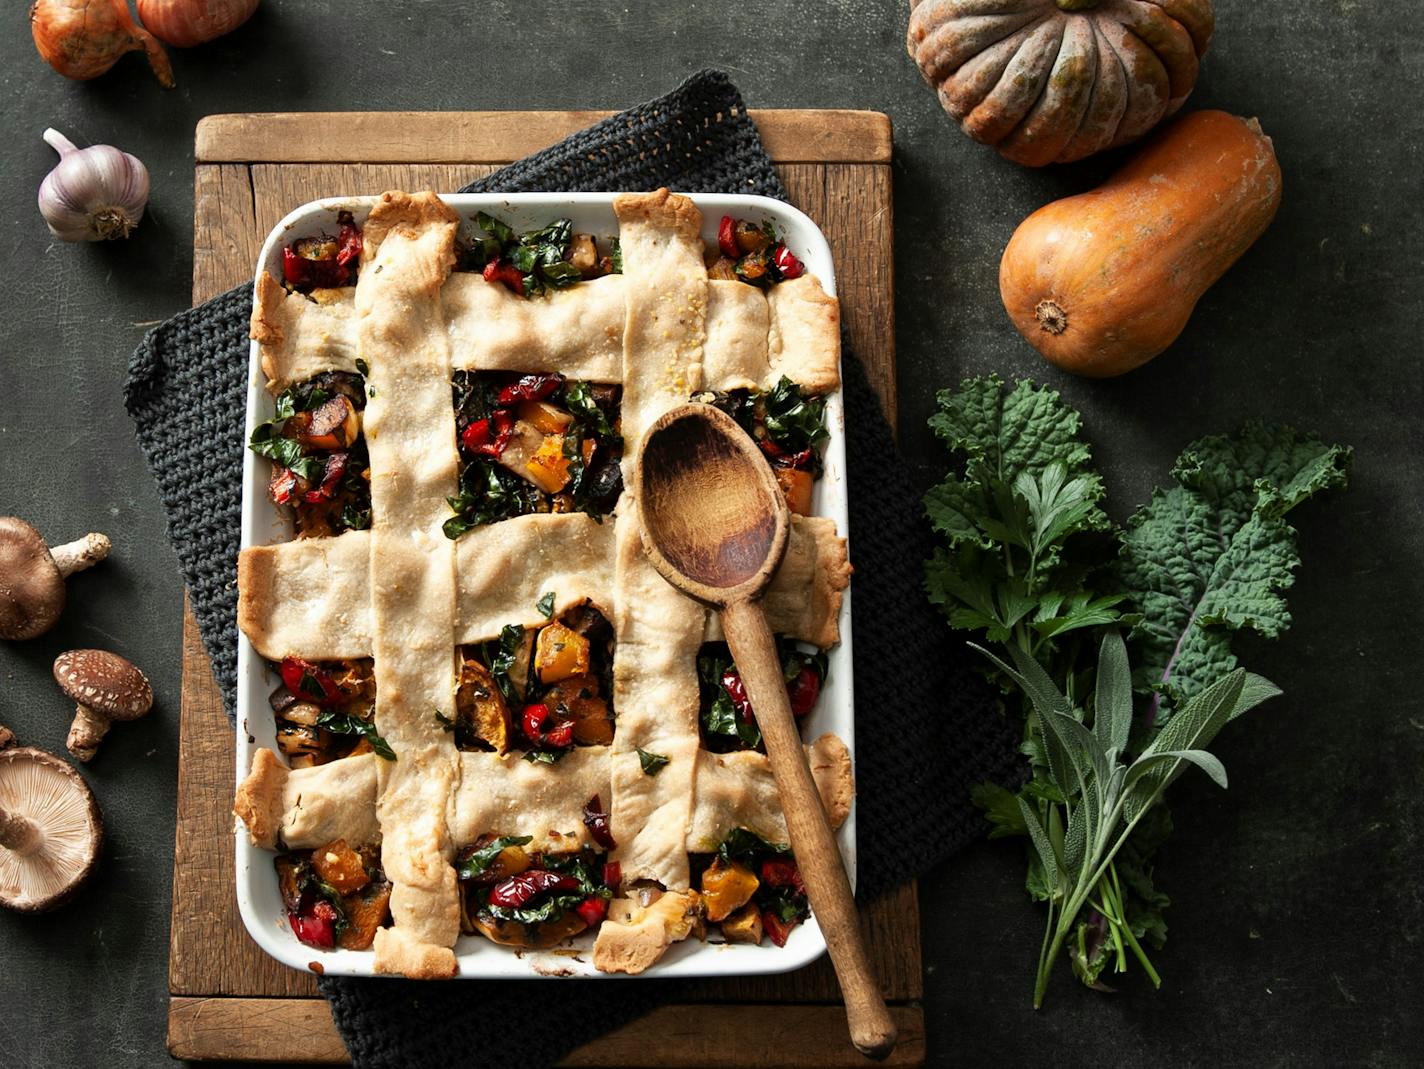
{"points": [[93, 193]]}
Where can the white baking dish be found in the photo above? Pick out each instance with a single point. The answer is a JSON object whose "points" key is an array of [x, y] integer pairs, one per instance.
{"points": [[262, 524]]}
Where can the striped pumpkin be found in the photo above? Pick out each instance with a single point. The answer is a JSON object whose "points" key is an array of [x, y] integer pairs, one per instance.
{"points": [[1050, 81]]}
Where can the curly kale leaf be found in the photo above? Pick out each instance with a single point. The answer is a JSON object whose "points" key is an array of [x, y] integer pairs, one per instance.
{"points": [[1019, 494], [1213, 554]]}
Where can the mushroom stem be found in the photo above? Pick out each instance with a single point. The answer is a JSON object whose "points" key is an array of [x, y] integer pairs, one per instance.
{"points": [[80, 554], [19, 834], [88, 728]]}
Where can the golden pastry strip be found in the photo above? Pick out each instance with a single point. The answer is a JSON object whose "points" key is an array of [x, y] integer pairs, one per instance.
{"points": [[304, 808], [410, 432]]}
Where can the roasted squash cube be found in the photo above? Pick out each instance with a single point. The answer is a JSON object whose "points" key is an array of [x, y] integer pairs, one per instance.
{"points": [[365, 912], [480, 705], [796, 486], [560, 653], [544, 417], [726, 888], [743, 926], [548, 468], [337, 864], [577, 699]]}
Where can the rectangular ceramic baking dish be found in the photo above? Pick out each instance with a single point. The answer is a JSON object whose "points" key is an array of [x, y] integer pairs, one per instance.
{"points": [[262, 524]]}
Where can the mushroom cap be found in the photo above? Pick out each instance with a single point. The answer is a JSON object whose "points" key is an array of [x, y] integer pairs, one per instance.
{"points": [[49, 792], [104, 682], [31, 588]]}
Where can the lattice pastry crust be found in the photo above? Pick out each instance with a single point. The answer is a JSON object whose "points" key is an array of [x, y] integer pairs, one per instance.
{"points": [[407, 596]]}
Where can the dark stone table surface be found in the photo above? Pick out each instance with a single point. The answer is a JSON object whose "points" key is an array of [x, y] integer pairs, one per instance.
{"points": [[1296, 932]]}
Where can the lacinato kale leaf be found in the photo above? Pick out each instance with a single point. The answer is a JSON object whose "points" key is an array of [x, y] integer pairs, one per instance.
{"points": [[1213, 554]]}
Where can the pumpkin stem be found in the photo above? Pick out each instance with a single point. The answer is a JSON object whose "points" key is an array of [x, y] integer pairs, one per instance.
{"points": [[1051, 316], [1077, 5]]}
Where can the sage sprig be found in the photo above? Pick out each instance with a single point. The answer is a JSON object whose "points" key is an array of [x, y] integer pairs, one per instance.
{"points": [[1106, 792]]}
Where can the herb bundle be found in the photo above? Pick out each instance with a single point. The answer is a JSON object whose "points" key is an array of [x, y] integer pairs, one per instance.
{"points": [[1116, 643]]}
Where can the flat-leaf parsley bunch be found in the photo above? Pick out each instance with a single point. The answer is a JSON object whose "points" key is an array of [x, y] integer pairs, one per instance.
{"points": [[1115, 644]]}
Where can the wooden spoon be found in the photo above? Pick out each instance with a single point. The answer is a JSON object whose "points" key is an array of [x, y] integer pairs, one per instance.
{"points": [[714, 524]]}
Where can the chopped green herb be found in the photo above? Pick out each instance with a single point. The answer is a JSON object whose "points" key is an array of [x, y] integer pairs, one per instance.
{"points": [[345, 724], [652, 763], [478, 862], [795, 420], [545, 605], [362, 367], [747, 846], [444, 721]]}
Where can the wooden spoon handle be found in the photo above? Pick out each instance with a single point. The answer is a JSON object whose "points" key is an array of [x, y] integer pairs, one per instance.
{"points": [[871, 1028]]}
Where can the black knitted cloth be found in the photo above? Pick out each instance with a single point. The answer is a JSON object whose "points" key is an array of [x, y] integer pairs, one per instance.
{"points": [[926, 725]]}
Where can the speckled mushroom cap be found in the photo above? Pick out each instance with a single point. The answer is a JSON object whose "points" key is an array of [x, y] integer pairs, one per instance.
{"points": [[31, 588], [104, 682], [56, 830]]}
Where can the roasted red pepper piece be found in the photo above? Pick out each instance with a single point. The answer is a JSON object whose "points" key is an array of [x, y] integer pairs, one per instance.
{"points": [[782, 872], [309, 263], [330, 479], [308, 682], [294, 268], [315, 927], [517, 890], [786, 263], [488, 437], [737, 691], [597, 823], [500, 271], [778, 929], [534, 721], [592, 909], [531, 388], [804, 690], [348, 240], [727, 238], [612, 874], [780, 458], [285, 485]]}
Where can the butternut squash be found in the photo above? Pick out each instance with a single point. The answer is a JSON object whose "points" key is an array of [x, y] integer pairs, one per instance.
{"points": [[1103, 282]]}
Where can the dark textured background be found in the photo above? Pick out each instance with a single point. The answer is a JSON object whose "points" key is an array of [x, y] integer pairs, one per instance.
{"points": [[1296, 930]]}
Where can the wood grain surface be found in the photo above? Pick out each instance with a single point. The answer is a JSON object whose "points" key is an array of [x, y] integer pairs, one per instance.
{"points": [[226, 992]]}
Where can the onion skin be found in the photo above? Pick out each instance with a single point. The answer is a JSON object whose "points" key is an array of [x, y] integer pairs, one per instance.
{"points": [[84, 38], [1103, 282], [185, 23]]}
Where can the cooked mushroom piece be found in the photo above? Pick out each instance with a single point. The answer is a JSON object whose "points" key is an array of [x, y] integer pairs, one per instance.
{"points": [[32, 576], [107, 688], [50, 828]]}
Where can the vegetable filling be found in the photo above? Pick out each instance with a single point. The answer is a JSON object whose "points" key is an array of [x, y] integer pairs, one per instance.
{"points": [[542, 690], [534, 443], [326, 710], [320, 467]]}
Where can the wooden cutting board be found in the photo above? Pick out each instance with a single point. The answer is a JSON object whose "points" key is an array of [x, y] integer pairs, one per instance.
{"points": [[229, 1001]]}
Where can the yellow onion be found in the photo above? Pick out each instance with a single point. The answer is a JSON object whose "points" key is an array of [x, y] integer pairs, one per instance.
{"points": [[83, 38], [184, 23]]}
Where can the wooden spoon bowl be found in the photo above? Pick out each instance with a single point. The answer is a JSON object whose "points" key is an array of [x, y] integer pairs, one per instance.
{"points": [[714, 524]]}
